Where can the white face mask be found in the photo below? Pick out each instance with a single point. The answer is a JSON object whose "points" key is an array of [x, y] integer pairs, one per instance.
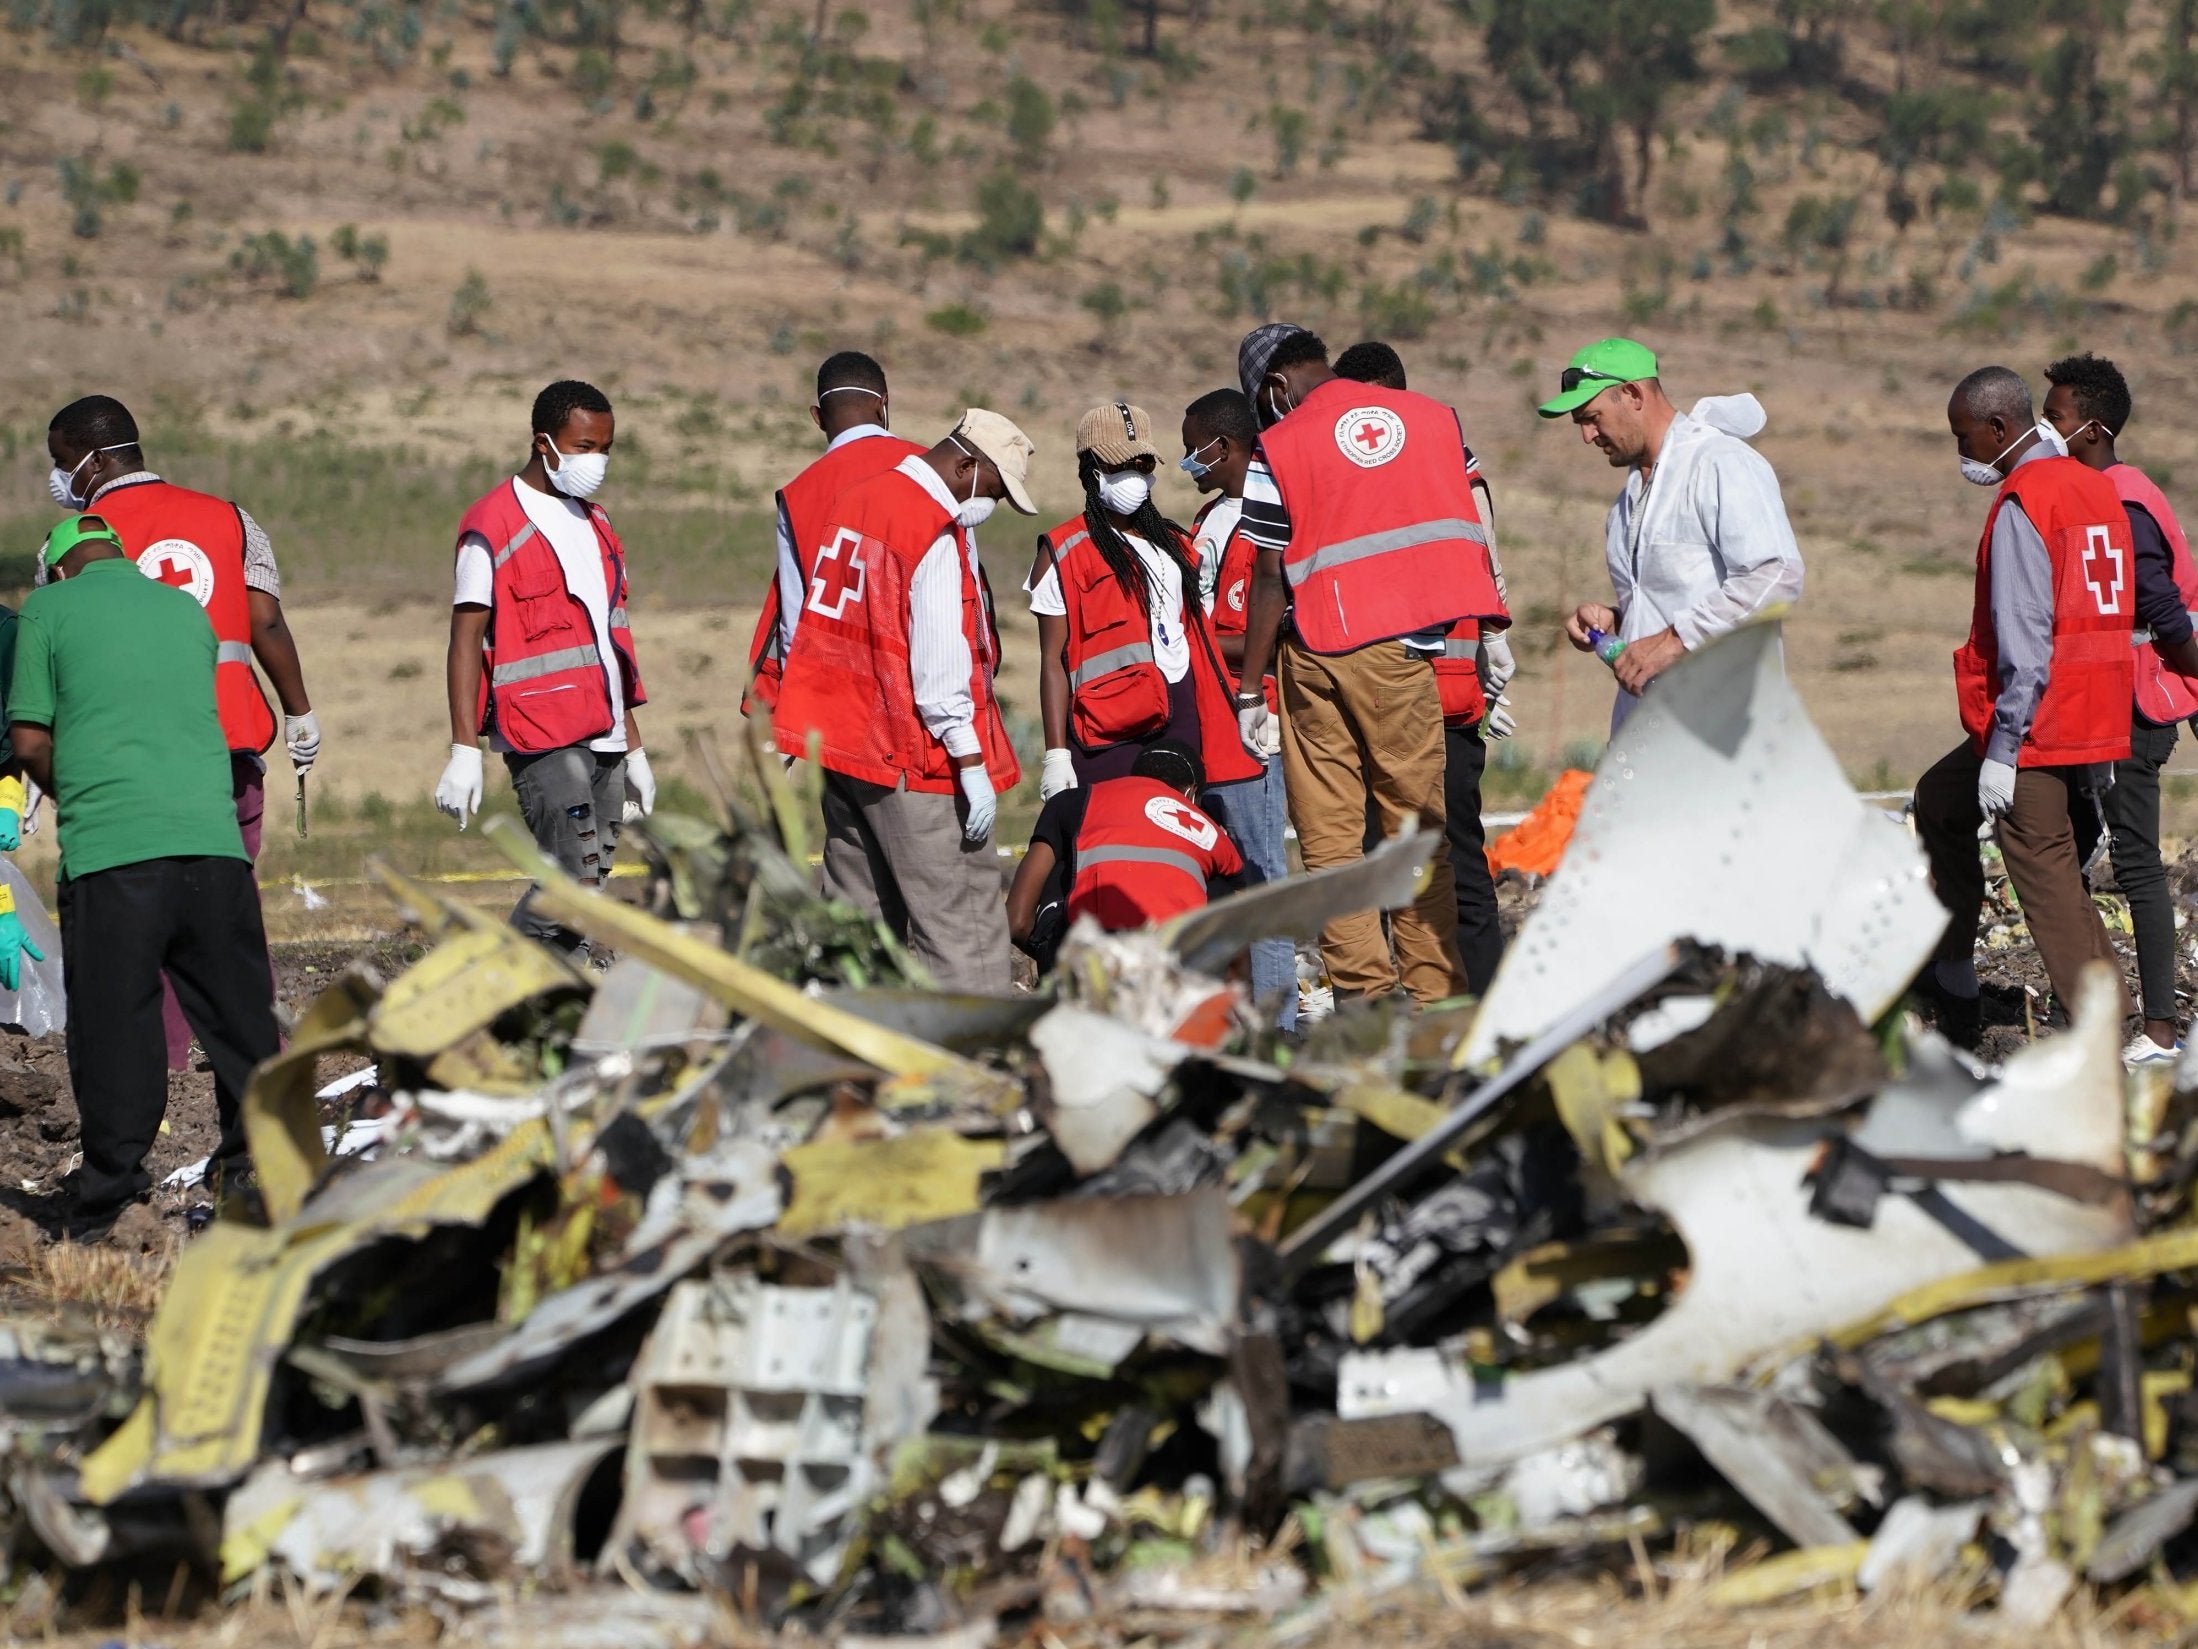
{"points": [[1277, 392], [1977, 471], [973, 512], [1125, 491], [578, 474], [61, 483]]}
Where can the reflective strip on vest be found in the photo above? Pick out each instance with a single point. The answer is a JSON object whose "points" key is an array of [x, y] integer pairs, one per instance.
{"points": [[233, 652], [1127, 855], [1455, 647], [509, 550], [1105, 664], [1395, 538], [546, 664], [618, 619], [2139, 638], [1068, 544]]}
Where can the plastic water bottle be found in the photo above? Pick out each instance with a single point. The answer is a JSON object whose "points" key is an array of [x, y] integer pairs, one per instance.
{"points": [[1607, 647]]}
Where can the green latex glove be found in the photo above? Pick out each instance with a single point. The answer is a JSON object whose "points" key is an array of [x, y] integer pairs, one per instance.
{"points": [[11, 829], [13, 943]]}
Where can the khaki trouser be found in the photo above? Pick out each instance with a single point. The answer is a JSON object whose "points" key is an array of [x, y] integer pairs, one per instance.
{"points": [[1360, 725], [2039, 845], [900, 856]]}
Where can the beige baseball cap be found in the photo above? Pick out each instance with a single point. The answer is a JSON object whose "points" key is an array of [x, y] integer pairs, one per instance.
{"points": [[1115, 432], [1000, 440]]}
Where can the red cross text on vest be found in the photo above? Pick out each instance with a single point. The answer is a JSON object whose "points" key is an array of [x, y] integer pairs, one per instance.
{"points": [[1371, 436], [839, 577], [2102, 564]]}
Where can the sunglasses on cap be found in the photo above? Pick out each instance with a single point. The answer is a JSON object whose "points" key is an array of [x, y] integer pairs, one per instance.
{"points": [[1574, 376]]}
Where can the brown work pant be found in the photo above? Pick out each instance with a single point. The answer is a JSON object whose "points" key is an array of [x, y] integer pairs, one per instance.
{"points": [[2039, 846], [1359, 726]]}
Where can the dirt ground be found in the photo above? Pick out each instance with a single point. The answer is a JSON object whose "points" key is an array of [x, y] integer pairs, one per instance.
{"points": [[39, 1141]]}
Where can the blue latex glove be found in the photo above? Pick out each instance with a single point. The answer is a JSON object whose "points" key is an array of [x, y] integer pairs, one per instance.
{"points": [[13, 943]]}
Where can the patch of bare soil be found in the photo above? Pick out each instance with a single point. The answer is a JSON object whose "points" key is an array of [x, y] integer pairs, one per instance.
{"points": [[39, 1134]]}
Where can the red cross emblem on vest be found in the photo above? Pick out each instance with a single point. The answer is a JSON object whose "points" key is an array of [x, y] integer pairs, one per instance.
{"points": [[181, 564], [1370, 436], [2102, 564], [840, 575]]}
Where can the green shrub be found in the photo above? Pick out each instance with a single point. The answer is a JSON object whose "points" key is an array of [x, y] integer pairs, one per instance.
{"points": [[956, 320], [294, 265], [1030, 118], [1010, 220], [1106, 302], [468, 304], [1242, 185]]}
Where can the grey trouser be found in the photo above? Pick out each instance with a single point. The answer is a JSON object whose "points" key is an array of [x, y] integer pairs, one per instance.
{"points": [[900, 856], [2132, 819], [574, 801]]}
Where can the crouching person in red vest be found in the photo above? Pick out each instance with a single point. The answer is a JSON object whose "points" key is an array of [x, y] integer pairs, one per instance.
{"points": [[2088, 404], [2044, 686], [891, 673], [541, 654], [1126, 852]]}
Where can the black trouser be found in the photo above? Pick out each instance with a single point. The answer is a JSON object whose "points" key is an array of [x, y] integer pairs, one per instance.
{"points": [[199, 919], [2132, 825], [1480, 934]]}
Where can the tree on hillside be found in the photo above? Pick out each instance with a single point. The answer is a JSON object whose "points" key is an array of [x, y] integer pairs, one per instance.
{"points": [[1612, 66], [2079, 129], [2175, 76]]}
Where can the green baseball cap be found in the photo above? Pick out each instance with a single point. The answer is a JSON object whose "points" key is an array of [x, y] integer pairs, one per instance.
{"points": [[1595, 369], [78, 529]]}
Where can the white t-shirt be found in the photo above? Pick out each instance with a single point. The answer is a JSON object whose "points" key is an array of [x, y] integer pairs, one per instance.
{"points": [[572, 535], [1171, 647]]}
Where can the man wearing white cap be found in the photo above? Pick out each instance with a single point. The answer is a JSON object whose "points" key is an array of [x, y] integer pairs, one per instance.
{"points": [[891, 673]]}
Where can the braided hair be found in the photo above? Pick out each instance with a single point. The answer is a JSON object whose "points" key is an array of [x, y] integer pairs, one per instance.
{"points": [[1149, 524]]}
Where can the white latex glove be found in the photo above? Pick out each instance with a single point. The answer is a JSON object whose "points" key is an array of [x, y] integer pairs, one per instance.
{"points": [[640, 782], [1497, 666], [1261, 732], [984, 804], [1995, 789], [1498, 722], [1055, 774], [458, 791], [32, 796], [302, 736]]}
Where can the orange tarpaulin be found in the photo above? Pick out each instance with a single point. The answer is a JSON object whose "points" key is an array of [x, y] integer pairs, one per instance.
{"points": [[1539, 840]]}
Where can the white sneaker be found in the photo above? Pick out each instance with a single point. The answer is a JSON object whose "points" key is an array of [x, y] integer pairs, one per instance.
{"points": [[2142, 1050]]}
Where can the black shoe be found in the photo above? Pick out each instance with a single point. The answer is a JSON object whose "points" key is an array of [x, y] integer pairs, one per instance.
{"points": [[1960, 1019], [91, 1225]]}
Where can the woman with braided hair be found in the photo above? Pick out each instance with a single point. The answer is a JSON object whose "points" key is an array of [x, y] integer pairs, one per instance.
{"points": [[1126, 656]]}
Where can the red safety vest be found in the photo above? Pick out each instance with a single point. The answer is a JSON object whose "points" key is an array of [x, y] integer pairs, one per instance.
{"points": [[1116, 691], [1232, 591], [2084, 714], [848, 679], [1385, 538], [803, 503], [1145, 854], [2164, 696], [545, 685], [196, 542]]}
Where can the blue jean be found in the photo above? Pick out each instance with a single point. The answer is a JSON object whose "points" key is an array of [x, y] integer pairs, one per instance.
{"points": [[1254, 815]]}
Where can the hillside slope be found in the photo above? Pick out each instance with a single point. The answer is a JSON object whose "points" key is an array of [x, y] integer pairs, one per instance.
{"points": [[1845, 206]]}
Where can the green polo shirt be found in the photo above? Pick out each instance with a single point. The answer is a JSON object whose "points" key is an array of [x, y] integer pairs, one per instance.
{"points": [[121, 668]]}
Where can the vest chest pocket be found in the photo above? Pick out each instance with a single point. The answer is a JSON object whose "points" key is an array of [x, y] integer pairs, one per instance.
{"points": [[536, 585], [1116, 690]]}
